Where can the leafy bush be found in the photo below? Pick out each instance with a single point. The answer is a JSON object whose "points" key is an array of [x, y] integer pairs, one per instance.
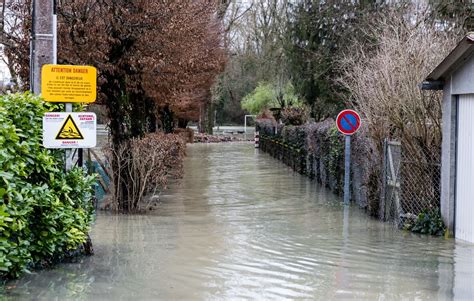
{"points": [[428, 222], [267, 114], [267, 95], [44, 212], [261, 98]]}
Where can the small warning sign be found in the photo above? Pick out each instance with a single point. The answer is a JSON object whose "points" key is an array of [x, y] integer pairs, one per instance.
{"points": [[69, 130]]}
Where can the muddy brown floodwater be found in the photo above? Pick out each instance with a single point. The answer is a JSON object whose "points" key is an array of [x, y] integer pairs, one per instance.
{"points": [[241, 225]]}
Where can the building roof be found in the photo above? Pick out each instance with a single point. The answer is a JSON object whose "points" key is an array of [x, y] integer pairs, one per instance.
{"points": [[463, 51]]}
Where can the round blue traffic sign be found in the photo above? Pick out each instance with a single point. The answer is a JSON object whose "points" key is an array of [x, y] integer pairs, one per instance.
{"points": [[348, 122]]}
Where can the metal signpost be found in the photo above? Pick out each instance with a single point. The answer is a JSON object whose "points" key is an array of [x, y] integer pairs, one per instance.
{"points": [[348, 122]]}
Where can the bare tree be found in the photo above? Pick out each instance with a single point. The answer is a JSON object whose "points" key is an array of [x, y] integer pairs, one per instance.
{"points": [[15, 24], [383, 79]]}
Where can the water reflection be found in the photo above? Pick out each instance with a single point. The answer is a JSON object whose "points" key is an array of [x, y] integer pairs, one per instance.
{"points": [[463, 272], [241, 225]]}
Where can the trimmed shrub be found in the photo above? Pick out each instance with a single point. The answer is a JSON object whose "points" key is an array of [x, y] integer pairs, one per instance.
{"points": [[45, 213], [187, 134], [145, 167]]}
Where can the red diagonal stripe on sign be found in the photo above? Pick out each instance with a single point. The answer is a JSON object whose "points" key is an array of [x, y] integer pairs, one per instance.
{"points": [[353, 127]]}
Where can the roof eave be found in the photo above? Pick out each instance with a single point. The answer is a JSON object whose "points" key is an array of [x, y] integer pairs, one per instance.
{"points": [[456, 58]]}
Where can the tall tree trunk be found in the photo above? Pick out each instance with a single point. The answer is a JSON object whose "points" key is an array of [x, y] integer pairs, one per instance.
{"points": [[210, 118], [167, 119], [182, 123], [138, 115], [116, 103], [206, 120], [150, 122]]}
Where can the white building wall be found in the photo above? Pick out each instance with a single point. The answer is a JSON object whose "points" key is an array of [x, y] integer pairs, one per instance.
{"points": [[459, 83], [464, 222]]}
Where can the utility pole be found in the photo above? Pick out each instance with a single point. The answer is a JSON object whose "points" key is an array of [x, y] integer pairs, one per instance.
{"points": [[42, 50]]}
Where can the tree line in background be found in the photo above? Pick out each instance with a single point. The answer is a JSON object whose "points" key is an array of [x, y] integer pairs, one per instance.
{"points": [[158, 61], [303, 44]]}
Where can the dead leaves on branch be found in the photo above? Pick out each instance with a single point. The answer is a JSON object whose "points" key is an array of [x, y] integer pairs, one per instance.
{"points": [[168, 49]]}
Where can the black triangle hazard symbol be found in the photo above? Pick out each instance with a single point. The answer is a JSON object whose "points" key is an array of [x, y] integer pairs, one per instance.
{"points": [[69, 130]]}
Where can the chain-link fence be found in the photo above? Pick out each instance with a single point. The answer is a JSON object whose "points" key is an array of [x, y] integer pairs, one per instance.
{"points": [[411, 182]]}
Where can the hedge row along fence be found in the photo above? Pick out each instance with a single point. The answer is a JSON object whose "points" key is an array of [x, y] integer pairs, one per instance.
{"points": [[317, 150], [45, 213]]}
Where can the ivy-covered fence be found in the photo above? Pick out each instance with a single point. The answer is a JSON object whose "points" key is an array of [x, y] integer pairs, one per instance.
{"points": [[317, 150]]}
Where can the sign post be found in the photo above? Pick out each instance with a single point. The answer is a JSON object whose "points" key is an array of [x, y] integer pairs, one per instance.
{"points": [[348, 122], [69, 155], [347, 170]]}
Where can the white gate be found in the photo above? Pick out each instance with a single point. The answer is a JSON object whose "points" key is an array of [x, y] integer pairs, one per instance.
{"points": [[465, 169]]}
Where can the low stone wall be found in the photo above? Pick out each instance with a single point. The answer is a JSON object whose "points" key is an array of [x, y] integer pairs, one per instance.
{"points": [[317, 150]]}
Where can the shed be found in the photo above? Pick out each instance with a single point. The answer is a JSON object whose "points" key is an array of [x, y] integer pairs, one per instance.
{"points": [[455, 76]]}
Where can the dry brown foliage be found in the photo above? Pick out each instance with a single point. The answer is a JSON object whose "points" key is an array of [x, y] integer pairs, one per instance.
{"points": [[295, 115], [153, 54], [145, 166], [166, 52], [187, 134], [154, 58]]}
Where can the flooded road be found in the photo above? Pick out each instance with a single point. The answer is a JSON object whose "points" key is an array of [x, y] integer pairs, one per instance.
{"points": [[241, 225]]}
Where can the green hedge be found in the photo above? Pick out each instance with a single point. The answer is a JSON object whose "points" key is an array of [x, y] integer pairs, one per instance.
{"points": [[44, 212]]}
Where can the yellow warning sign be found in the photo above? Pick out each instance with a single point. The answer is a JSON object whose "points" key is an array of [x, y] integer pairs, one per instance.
{"points": [[69, 83], [69, 130]]}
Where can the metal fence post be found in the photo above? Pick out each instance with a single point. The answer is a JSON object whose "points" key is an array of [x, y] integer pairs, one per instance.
{"points": [[257, 139], [384, 181]]}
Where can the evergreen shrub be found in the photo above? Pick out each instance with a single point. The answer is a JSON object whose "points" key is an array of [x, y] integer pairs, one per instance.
{"points": [[45, 213]]}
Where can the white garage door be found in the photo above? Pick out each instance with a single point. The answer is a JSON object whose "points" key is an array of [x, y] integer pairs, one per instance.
{"points": [[465, 169]]}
